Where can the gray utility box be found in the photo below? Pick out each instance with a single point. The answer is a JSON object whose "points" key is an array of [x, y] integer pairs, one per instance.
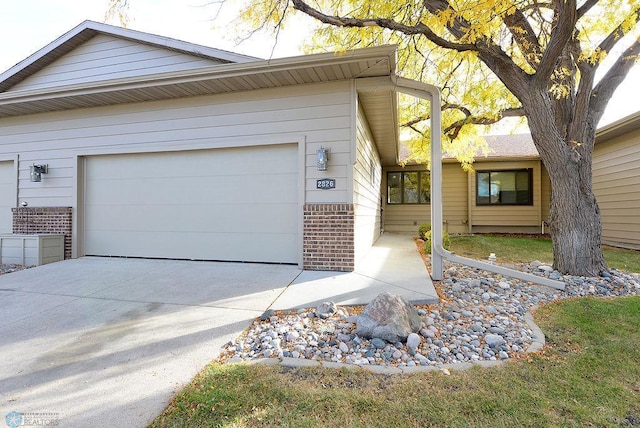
{"points": [[31, 250]]}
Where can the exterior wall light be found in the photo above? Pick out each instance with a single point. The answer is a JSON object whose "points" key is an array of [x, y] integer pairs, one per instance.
{"points": [[36, 172], [322, 155]]}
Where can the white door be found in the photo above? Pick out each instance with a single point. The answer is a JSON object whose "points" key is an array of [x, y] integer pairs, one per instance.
{"points": [[7, 196], [237, 204]]}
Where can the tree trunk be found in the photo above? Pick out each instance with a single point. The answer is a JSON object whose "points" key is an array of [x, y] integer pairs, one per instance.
{"points": [[575, 225]]}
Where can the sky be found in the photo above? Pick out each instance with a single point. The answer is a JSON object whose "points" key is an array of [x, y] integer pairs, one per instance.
{"points": [[28, 25]]}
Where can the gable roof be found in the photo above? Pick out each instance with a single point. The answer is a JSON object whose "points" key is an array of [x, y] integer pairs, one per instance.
{"points": [[89, 29]]}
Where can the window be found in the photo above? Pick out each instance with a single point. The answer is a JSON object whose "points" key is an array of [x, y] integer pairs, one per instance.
{"points": [[504, 187], [409, 187]]}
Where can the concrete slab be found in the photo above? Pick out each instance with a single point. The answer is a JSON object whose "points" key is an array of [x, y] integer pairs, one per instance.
{"points": [[101, 342], [392, 265], [108, 342]]}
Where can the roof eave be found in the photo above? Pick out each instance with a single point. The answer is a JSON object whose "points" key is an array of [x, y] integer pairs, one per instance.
{"points": [[617, 128], [185, 76]]}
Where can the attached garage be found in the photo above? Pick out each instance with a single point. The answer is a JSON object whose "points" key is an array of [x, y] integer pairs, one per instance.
{"points": [[235, 204], [7, 195], [163, 149]]}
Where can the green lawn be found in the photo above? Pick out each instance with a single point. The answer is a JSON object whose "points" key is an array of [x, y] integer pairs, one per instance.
{"points": [[520, 249], [588, 375]]}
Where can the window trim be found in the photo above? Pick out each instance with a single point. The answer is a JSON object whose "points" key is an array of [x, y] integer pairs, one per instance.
{"points": [[402, 181], [529, 171]]}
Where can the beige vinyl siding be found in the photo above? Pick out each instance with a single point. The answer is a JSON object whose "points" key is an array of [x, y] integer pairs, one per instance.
{"points": [[404, 217], [317, 114], [7, 195], [545, 187], [616, 184], [507, 215], [106, 57], [455, 198], [367, 176]]}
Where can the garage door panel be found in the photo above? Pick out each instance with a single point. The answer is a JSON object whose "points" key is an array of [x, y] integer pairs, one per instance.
{"points": [[222, 204], [251, 247], [170, 218], [7, 196], [187, 190], [205, 164]]}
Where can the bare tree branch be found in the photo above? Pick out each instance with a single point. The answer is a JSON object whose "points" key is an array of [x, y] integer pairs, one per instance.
{"points": [[586, 7], [453, 129], [503, 66], [389, 24], [603, 91], [564, 25], [526, 39], [609, 42]]}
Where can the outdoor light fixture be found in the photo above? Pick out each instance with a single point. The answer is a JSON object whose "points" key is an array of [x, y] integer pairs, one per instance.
{"points": [[37, 171], [322, 155]]}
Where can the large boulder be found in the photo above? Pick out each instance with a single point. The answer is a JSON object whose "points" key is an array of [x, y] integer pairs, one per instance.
{"points": [[388, 317]]}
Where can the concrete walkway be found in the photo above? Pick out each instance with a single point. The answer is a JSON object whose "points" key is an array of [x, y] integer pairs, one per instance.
{"points": [[392, 265], [96, 342]]}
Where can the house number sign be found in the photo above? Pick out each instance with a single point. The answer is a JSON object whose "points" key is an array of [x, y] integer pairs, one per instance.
{"points": [[326, 183]]}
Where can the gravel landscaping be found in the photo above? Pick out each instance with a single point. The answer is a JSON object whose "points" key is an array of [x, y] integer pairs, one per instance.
{"points": [[482, 316], [11, 268]]}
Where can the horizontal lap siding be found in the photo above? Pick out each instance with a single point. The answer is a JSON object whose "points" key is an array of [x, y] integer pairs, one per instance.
{"points": [[455, 198], [319, 112], [406, 218], [616, 184], [105, 57], [367, 173], [545, 195], [7, 195], [508, 215]]}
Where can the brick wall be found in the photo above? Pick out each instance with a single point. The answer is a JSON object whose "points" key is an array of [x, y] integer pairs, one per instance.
{"points": [[34, 220], [328, 237]]}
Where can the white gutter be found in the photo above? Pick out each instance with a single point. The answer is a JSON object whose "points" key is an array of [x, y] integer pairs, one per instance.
{"points": [[438, 253]]}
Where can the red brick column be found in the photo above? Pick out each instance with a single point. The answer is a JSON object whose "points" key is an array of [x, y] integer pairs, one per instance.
{"points": [[328, 237], [54, 220]]}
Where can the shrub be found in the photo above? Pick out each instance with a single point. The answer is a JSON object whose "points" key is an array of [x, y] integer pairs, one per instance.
{"points": [[446, 241], [423, 229]]}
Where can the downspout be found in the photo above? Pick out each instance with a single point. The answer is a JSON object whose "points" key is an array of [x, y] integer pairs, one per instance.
{"points": [[438, 253]]}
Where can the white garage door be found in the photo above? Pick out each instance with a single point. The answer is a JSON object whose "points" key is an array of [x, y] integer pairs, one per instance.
{"points": [[7, 196], [235, 204]]}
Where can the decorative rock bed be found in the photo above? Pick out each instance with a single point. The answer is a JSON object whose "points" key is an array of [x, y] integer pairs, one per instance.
{"points": [[482, 317]]}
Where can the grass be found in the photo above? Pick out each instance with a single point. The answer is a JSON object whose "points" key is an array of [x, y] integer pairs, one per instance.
{"points": [[588, 375], [518, 249]]}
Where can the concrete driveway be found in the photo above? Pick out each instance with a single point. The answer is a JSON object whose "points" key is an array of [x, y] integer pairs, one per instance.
{"points": [[108, 342]]}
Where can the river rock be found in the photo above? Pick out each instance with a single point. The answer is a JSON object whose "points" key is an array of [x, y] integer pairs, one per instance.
{"points": [[326, 309], [388, 317]]}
